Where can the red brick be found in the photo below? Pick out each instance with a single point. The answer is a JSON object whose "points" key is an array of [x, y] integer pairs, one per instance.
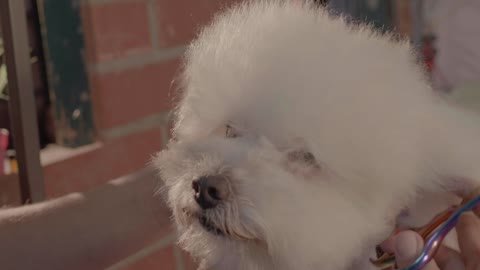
{"points": [[180, 20], [124, 96], [160, 259], [116, 29], [112, 160], [133, 249]]}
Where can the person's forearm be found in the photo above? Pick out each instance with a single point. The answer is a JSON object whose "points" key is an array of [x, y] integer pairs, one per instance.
{"points": [[83, 231]]}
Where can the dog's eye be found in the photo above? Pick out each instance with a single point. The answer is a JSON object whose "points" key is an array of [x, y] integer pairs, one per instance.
{"points": [[227, 131], [303, 156], [230, 132]]}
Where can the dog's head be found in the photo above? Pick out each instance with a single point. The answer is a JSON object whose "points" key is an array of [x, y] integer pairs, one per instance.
{"points": [[241, 202], [276, 162]]}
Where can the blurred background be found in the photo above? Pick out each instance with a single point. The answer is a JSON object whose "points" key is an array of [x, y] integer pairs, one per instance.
{"points": [[102, 75]]}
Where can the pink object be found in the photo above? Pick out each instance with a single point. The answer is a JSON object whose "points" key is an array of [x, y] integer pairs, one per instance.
{"points": [[4, 139], [3, 148]]}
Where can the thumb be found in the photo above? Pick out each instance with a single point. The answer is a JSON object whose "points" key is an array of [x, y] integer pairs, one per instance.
{"points": [[408, 246]]}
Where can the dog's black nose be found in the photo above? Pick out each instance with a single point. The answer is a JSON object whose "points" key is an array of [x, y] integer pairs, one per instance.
{"points": [[210, 190]]}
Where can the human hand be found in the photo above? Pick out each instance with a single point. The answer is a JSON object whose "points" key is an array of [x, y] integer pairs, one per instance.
{"points": [[407, 246]]}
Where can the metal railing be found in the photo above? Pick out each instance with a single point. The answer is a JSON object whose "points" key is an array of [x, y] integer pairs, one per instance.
{"points": [[22, 102]]}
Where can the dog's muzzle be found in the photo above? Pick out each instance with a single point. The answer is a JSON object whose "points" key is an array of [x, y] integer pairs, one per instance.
{"points": [[210, 190]]}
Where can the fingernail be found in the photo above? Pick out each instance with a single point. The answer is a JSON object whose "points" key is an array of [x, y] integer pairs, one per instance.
{"points": [[407, 245]]}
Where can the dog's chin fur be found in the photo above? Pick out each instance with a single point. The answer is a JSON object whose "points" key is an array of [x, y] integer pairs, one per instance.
{"points": [[291, 78]]}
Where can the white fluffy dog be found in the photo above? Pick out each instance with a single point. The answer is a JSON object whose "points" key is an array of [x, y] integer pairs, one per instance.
{"points": [[299, 140]]}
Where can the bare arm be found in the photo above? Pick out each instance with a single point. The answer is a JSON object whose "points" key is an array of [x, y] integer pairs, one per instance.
{"points": [[91, 230]]}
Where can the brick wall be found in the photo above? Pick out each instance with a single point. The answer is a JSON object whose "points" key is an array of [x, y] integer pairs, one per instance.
{"points": [[133, 50]]}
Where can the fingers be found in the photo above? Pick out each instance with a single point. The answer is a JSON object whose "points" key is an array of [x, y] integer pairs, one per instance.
{"points": [[388, 244], [449, 259], [407, 246], [468, 230]]}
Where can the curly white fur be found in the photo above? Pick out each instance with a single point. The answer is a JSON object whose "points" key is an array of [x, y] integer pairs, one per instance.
{"points": [[289, 78]]}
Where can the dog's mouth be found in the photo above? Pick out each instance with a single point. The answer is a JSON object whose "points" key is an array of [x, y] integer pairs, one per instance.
{"points": [[209, 226], [204, 222]]}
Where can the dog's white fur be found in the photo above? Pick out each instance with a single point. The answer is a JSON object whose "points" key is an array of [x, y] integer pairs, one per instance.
{"points": [[290, 77]]}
